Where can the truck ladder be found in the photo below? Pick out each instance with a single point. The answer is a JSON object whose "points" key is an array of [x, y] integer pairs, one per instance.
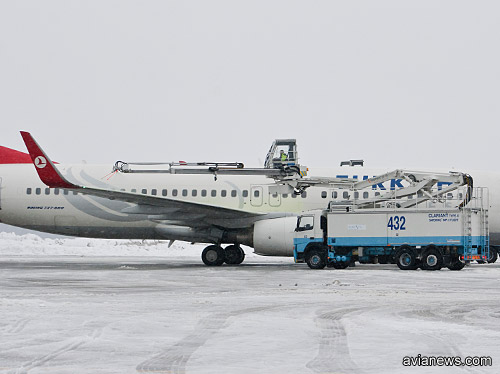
{"points": [[485, 232], [467, 233]]}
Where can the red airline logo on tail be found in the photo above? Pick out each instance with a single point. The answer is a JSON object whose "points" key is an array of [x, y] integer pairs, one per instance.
{"points": [[43, 165], [40, 162]]}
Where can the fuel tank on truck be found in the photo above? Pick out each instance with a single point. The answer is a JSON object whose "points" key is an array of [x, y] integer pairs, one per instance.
{"points": [[274, 237]]}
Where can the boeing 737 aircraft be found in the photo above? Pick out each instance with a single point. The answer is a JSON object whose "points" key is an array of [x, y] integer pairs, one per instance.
{"points": [[211, 207]]}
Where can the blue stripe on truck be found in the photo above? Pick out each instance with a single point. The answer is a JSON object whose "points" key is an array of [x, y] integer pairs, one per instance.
{"points": [[396, 241]]}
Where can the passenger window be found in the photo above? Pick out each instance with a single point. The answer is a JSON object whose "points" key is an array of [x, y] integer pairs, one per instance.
{"points": [[164, 192], [56, 191], [144, 191], [335, 194], [377, 193], [75, 193], [294, 195], [244, 193], [365, 195], [203, 193], [65, 192], [234, 193], [323, 194], [47, 191], [303, 194], [154, 192], [38, 191], [184, 192], [345, 195], [256, 193], [223, 193], [305, 223], [28, 191], [356, 194], [174, 192], [133, 190], [213, 193], [285, 195], [194, 193]]}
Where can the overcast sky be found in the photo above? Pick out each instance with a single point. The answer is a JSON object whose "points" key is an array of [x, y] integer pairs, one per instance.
{"points": [[399, 83]]}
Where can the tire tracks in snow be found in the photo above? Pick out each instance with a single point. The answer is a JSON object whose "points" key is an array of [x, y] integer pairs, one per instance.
{"points": [[16, 327], [71, 345], [174, 359], [333, 352], [442, 346]]}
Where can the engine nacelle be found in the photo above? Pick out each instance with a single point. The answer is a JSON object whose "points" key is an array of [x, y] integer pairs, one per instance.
{"points": [[274, 237]]}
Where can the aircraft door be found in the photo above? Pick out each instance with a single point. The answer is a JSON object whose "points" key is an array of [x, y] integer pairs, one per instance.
{"points": [[274, 199], [0, 193], [256, 195]]}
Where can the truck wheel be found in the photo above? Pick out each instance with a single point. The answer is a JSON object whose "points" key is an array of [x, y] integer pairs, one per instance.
{"points": [[432, 259], [457, 265], [213, 255], [406, 258], [493, 255], [316, 259]]}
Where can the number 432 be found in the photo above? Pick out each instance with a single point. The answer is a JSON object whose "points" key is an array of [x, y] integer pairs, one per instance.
{"points": [[397, 223]]}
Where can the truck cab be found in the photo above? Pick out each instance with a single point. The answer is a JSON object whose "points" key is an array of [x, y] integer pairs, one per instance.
{"points": [[310, 238]]}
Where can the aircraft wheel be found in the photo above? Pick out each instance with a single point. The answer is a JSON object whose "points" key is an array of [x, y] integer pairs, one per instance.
{"points": [[432, 259], [315, 259], [406, 258], [213, 255], [493, 255], [234, 255], [457, 265]]}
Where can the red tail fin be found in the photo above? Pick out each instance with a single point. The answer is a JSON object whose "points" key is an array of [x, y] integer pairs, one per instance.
{"points": [[43, 165]]}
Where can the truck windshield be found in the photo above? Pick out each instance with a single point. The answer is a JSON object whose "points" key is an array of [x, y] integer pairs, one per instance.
{"points": [[305, 223]]}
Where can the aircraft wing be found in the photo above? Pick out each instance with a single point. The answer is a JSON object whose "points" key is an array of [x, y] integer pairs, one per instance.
{"points": [[194, 214]]}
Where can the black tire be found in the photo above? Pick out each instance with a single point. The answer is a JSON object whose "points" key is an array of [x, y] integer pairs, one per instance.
{"points": [[213, 255], [383, 259], [340, 265], [406, 258], [316, 259], [432, 259], [457, 265], [234, 255], [493, 255]]}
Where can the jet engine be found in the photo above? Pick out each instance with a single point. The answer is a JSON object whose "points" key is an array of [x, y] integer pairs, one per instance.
{"points": [[274, 237]]}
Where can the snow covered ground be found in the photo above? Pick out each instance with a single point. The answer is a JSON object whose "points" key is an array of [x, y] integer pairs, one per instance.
{"points": [[108, 306]]}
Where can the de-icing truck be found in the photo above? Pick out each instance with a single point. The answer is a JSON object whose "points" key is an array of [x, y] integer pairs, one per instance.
{"points": [[447, 230]]}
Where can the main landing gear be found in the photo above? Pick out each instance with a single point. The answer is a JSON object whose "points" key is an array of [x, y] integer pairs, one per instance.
{"points": [[215, 255]]}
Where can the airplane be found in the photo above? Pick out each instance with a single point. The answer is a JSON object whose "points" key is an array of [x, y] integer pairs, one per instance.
{"points": [[217, 205]]}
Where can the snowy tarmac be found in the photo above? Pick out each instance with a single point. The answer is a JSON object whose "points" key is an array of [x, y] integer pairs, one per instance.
{"points": [[172, 314]]}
